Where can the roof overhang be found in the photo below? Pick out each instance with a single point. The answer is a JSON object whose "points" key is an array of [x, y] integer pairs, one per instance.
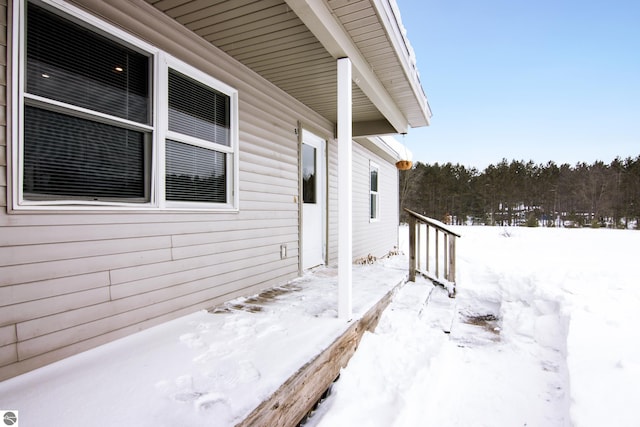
{"points": [[386, 146], [321, 21], [294, 44]]}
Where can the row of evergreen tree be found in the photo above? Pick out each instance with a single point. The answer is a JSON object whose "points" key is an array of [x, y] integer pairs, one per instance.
{"points": [[518, 192]]}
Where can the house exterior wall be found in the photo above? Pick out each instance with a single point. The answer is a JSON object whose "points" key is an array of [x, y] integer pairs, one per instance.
{"points": [[332, 203], [375, 237], [369, 237], [3, 110], [72, 280]]}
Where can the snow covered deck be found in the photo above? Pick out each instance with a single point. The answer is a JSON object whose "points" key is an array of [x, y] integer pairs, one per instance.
{"points": [[238, 364]]}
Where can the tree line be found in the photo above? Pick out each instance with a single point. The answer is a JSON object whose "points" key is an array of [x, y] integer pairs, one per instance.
{"points": [[519, 193]]}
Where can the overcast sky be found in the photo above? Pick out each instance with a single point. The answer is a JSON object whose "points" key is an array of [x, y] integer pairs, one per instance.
{"points": [[528, 80]]}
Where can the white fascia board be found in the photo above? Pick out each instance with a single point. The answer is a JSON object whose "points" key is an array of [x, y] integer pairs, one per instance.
{"points": [[389, 14], [400, 151], [388, 146], [316, 15]]}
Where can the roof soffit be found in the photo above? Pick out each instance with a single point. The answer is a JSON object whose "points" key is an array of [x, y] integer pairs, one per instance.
{"points": [[294, 44], [317, 16]]}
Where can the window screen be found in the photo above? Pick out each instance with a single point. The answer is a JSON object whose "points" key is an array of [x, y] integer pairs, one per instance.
{"points": [[75, 65], [198, 110], [374, 180], [70, 157], [88, 129], [374, 207], [195, 174], [373, 192], [73, 154]]}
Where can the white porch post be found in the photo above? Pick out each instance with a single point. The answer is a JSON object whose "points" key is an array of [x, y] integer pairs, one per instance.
{"points": [[345, 226]]}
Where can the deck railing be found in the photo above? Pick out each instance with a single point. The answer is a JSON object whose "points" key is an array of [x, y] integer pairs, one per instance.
{"points": [[429, 255]]}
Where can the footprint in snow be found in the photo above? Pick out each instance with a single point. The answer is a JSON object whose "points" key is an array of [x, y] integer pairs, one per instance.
{"points": [[184, 382], [269, 330], [231, 374], [187, 396], [212, 401], [192, 340], [215, 352]]}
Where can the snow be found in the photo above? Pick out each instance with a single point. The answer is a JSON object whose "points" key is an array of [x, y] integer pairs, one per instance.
{"points": [[542, 332], [206, 366], [401, 150], [563, 348]]}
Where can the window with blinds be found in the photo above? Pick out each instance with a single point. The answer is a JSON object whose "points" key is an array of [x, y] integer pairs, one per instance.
{"points": [[74, 158], [73, 64], [88, 132], [198, 110], [79, 85], [196, 172]]}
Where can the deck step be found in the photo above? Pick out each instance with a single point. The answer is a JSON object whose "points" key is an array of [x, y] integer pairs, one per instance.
{"points": [[439, 309]]}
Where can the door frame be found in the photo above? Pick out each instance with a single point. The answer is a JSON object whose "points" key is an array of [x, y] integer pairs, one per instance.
{"points": [[323, 197]]}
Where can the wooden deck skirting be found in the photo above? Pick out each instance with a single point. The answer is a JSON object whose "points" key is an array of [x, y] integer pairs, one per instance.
{"points": [[296, 397]]}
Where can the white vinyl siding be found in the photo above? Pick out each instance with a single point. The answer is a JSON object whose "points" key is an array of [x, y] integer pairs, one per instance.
{"points": [[71, 280], [369, 237], [375, 237], [332, 203]]}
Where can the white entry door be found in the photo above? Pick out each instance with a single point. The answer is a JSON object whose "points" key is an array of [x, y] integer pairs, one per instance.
{"points": [[313, 200]]}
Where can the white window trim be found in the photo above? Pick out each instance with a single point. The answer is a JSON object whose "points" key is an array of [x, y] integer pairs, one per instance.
{"points": [[160, 62], [232, 183], [374, 166]]}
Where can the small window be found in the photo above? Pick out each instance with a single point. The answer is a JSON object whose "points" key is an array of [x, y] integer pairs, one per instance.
{"points": [[308, 173], [199, 125], [374, 197]]}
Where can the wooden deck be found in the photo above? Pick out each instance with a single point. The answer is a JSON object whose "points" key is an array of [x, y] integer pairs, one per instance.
{"points": [[263, 360], [299, 394]]}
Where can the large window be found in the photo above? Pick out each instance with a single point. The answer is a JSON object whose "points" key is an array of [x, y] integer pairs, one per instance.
{"points": [[374, 196], [107, 120]]}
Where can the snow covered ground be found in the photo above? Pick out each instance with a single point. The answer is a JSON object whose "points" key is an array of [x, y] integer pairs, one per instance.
{"points": [[543, 332]]}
